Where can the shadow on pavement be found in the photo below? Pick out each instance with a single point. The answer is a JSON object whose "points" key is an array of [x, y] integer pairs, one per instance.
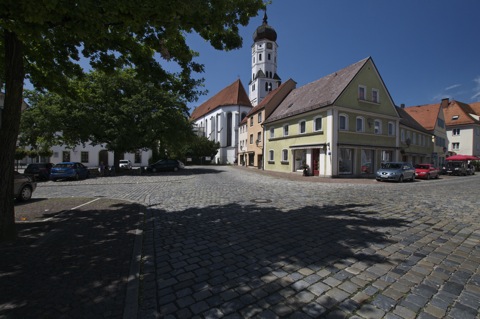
{"points": [[75, 266], [230, 259]]}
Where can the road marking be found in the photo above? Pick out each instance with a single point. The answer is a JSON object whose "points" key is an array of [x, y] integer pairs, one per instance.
{"points": [[85, 204]]}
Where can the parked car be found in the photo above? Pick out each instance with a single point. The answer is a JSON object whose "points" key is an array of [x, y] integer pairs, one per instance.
{"points": [[456, 168], [23, 186], [39, 170], [69, 170], [426, 171], [395, 171], [125, 164], [165, 165]]}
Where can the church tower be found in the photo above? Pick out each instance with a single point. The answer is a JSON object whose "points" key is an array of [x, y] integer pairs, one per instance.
{"points": [[264, 76]]}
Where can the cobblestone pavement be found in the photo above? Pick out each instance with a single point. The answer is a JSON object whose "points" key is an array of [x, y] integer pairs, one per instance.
{"points": [[233, 242]]}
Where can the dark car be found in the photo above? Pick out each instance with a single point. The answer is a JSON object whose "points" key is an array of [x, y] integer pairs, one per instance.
{"points": [[396, 171], [457, 168], [165, 165], [23, 186], [39, 170], [69, 170]]}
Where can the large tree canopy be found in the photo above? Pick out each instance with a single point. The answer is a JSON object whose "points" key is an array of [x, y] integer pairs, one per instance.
{"points": [[44, 42], [116, 110]]}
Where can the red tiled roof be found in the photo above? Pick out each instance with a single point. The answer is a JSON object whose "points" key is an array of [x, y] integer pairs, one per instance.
{"points": [[475, 107], [426, 115], [234, 94], [289, 84], [461, 112]]}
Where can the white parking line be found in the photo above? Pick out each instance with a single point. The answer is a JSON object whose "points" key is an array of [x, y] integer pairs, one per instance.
{"points": [[94, 200]]}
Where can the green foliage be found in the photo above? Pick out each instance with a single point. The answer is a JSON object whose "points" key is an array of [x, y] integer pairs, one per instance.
{"points": [[200, 146], [20, 153], [117, 110]]}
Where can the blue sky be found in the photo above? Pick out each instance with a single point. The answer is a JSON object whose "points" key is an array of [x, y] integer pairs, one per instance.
{"points": [[425, 50]]}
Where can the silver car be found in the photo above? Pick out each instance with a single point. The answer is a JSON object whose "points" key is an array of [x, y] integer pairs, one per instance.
{"points": [[396, 171], [23, 187]]}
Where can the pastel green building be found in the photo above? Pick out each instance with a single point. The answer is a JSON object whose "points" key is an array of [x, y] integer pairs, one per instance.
{"points": [[344, 124]]}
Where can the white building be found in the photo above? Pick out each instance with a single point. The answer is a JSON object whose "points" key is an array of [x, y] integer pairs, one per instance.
{"points": [[219, 117], [264, 63]]}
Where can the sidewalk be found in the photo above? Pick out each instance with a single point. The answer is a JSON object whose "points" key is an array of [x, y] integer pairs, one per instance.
{"points": [[73, 259]]}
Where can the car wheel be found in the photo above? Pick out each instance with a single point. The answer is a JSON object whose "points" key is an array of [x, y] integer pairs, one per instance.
{"points": [[25, 193], [413, 178], [437, 176], [428, 176], [379, 180], [400, 179]]}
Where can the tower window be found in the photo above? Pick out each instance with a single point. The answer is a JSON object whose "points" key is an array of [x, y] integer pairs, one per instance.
{"points": [[269, 57], [260, 57]]}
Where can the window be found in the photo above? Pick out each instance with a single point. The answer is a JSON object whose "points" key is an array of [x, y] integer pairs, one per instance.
{"points": [[253, 87], [302, 127], [259, 117], [317, 124], [285, 130], [260, 57], [251, 138], [402, 135], [66, 156], [343, 122], [259, 137], [456, 146], [456, 131], [138, 157], [284, 155], [391, 128], [361, 92], [269, 57], [378, 127], [375, 96], [360, 124], [251, 121], [271, 155], [455, 117], [345, 161], [84, 157], [414, 138], [272, 132]]}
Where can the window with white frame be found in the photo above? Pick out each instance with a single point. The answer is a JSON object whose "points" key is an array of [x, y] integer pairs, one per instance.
{"points": [[272, 132], [343, 122], [317, 124], [84, 157], [360, 124], [251, 121], [391, 128], [375, 96], [377, 127], [362, 90], [302, 127], [259, 137], [456, 146], [456, 131], [260, 117], [271, 155], [285, 130], [284, 155], [251, 138]]}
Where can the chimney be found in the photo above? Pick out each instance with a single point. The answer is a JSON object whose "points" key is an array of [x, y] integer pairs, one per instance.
{"points": [[445, 102], [402, 105]]}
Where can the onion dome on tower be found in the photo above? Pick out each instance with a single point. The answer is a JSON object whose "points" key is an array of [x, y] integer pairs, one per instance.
{"points": [[265, 31]]}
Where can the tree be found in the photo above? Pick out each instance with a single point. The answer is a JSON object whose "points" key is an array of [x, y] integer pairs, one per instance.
{"points": [[116, 110], [44, 43], [200, 147]]}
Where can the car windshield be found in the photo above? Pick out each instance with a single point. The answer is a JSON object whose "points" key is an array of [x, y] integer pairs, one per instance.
{"points": [[422, 166], [64, 165], [123, 161], [392, 165]]}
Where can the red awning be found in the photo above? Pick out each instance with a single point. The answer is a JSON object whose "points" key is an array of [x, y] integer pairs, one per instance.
{"points": [[462, 158]]}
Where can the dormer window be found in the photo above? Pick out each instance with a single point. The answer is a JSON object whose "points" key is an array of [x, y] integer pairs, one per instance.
{"points": [[455, 117], [375, 96]]}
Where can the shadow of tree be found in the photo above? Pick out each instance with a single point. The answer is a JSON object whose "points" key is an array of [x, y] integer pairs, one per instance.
{"points": [[77, 269], [246, 260]]}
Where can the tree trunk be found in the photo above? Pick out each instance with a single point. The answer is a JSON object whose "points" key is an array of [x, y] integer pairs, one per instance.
{"points": [[9, 127]]}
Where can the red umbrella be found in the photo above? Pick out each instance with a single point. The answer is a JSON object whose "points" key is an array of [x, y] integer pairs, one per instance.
{"points": [[462, 158]]}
